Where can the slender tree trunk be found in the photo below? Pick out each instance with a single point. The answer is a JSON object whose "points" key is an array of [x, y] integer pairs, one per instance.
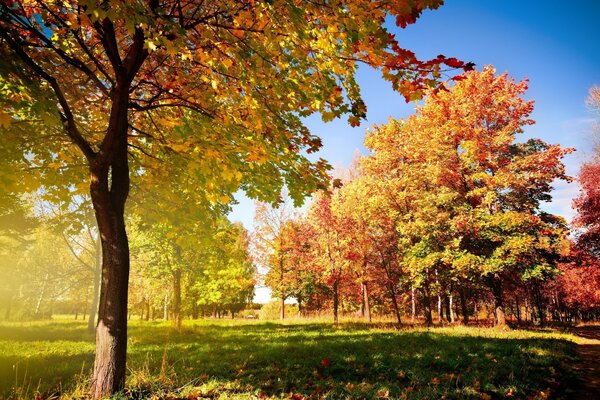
{"points": [[440, 311], [147, 309], [449, 313], [395, 305], [463, 305], [177, 298], [166, 306], [336, 301], [518, 309], [362, 300], [367, 305], [38, 305], [413, 303], [282, 308], [96, 289]]}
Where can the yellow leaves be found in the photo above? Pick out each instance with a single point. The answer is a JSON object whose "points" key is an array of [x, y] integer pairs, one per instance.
{"points": [[5, 120], [150, 45]]}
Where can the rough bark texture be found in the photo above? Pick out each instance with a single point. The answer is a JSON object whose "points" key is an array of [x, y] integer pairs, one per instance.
{"points": [[109, 189], [96, 290], [282, 308]]}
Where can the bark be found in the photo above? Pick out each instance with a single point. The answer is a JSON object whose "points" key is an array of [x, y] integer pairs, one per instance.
{"points": [[96, 290], [518, 309], [449, 313], [427, 307], [147, 309], [282, 308], [499, 314], [367, 306]]}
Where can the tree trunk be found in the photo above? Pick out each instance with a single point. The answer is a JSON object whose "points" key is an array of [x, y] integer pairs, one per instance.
{"points": [[109, 188], [282, 308], [395, 303], [96, 290], [336, 301], [413, 303], [518, 309], [166, 306], [463, 305], [427, 307], [449, 313], [177, 298], [499, 315], [147, 309], [367, 306], [41, 297]]}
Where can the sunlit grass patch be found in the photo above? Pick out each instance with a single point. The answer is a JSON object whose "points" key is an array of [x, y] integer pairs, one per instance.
{"points": [[241, 359]]}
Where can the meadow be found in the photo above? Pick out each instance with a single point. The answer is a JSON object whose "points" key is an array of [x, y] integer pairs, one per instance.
{"points": [[238, 359]]}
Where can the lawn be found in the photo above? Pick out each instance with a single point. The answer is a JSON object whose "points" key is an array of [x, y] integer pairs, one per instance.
{"points": [[246, 359]]}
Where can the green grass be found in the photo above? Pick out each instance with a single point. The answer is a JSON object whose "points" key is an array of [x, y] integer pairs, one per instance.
{"points": [[239, 359]]}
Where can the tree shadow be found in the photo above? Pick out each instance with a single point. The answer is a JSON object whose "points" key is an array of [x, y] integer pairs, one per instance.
{"points": [[317, 360]]}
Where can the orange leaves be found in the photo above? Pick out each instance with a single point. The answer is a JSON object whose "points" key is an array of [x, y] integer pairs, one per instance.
{"points": [[5, 120]]}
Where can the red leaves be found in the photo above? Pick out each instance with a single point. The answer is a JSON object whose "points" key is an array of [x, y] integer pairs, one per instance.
{"points": [[326, 362]]}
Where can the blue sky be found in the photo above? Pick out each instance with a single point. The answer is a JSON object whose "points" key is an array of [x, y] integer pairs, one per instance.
{"points": [[555, 44]]}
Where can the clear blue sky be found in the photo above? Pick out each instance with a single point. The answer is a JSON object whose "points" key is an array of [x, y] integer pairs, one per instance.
{"points": [[555, 44]]}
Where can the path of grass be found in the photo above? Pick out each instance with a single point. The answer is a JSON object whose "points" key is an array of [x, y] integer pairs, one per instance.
{"points": [[239, 359]]}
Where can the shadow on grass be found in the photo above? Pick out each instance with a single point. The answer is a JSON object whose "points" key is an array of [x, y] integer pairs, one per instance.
{"points": [[315, 360]]}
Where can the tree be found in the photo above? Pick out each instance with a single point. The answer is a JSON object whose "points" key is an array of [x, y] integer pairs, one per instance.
{"points": [[471, 195], [274, 245], [587, 204], [129, 77]]}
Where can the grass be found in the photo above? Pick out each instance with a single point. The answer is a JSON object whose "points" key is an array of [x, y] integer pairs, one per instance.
{"points": [[246, 359]]}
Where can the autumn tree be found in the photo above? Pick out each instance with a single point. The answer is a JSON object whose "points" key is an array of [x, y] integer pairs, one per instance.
{"points": [[119, 79], [587, 204], [274, 247], [471, 193]]}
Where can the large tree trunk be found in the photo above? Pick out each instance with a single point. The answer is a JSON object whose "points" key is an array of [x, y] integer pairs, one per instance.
{"points": [[96, 290], [367, 305], [427, 307], [109, 189], [499, 314]]}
